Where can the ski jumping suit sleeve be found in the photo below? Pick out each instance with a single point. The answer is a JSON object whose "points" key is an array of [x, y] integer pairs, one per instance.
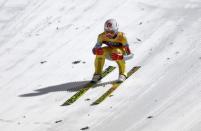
{"points": [[115, 48]]}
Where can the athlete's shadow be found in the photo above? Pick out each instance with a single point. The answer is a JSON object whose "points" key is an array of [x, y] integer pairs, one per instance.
{"points": [[70, 87]]}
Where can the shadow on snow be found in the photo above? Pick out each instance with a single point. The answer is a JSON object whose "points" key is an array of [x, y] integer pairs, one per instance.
{"points": [[70, 87]]}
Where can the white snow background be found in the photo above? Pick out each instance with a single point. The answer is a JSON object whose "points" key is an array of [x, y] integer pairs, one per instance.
{"points": [[41, 39]]}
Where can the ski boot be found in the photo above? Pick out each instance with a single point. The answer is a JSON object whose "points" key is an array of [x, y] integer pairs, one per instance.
{"points": [[121, 78], [96, 78]]}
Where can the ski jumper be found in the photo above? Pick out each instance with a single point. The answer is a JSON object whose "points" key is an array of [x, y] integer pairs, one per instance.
{"points": [[114, 47]]}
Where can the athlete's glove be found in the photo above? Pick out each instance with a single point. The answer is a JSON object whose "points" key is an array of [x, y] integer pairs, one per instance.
{"points": [[126, 50], [97, 51], [116, 56]]}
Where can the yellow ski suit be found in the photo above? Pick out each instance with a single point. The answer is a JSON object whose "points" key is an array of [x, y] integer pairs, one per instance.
{"points": [[113, 45]]}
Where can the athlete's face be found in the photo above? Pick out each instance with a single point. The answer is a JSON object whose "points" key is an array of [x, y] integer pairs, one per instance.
{"points": [[110, 34]]}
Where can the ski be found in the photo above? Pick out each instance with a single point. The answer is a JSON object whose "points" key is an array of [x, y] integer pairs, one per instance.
{"points": [[115, 85], [82, 91]]}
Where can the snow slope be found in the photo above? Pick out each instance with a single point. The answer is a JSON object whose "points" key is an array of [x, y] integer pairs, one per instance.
{"points": [[40, 40]]}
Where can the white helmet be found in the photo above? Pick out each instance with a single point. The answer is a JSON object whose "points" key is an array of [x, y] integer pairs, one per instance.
{"points": [[111, 25]]}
